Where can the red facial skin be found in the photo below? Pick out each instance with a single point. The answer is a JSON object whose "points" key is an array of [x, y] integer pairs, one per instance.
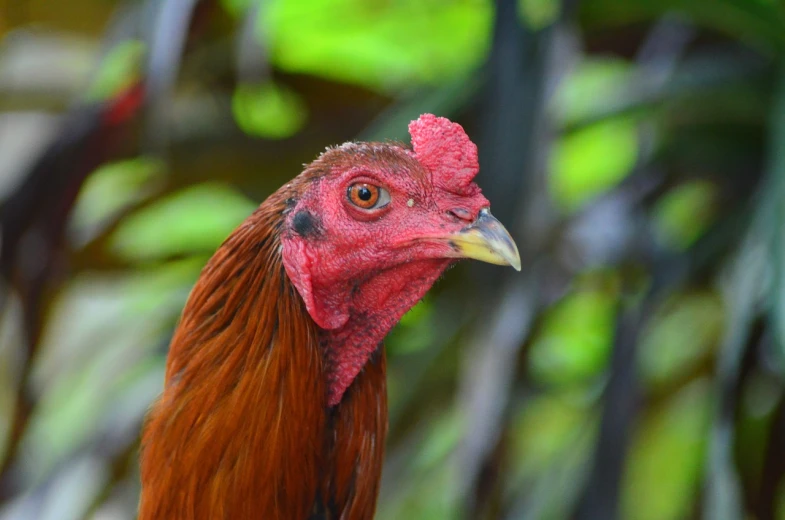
{"points": [[359, 270]]}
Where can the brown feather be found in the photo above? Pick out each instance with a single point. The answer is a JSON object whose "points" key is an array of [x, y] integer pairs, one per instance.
{"points": [[357, 453], [242, 429]]}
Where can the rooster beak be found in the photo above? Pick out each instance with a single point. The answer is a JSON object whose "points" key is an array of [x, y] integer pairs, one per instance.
{"points": [[486, 240]]}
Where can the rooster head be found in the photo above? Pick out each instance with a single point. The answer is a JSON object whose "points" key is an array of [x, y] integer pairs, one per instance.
{"points": [[371, 226]]}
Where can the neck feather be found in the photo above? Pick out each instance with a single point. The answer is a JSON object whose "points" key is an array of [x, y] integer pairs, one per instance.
{"points": [[242, 415], [243, 424]]}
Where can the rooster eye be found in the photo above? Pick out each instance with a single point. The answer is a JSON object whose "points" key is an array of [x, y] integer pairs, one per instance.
{"points": [[368, 196]]}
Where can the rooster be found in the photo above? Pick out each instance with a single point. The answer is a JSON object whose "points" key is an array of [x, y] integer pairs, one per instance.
{"points": [[274, 404]]}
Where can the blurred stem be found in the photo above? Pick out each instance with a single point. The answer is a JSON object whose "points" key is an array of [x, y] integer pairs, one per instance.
{"points": [[657, 57], [170, 31], [773, 466], [776, 174], [601, 495], [511, 123], [122, 462], [774, 455], [742, 292], [722, 500]]}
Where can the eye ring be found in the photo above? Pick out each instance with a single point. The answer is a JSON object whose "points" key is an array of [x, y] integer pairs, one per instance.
{"points": [[367, 196]]}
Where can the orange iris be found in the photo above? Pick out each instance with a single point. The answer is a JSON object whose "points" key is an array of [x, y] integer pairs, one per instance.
{"points": [[364, 195]]}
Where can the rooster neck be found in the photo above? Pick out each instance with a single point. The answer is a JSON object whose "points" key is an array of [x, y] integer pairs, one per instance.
{"points": [[377, 304], [242, 428]]}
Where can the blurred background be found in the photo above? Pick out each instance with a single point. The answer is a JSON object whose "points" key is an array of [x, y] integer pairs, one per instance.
{"points": [[635, 149]]}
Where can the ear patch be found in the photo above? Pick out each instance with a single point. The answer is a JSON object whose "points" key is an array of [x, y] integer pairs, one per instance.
{"points": [[305, 224]]}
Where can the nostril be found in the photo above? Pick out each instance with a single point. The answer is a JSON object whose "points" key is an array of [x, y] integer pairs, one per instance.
{"points": [[461, 214]]}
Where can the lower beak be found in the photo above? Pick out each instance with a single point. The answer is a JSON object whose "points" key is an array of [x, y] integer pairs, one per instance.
{"points": [[486, 240]]}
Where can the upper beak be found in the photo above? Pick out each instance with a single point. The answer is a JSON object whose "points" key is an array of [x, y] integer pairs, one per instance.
{"points": [[486, 240]]}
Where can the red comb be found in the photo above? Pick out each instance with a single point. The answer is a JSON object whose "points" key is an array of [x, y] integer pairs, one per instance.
{"points": [[445, 150]]}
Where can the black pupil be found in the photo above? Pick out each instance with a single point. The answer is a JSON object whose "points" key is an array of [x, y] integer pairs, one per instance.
{"points": [[364, 193]]}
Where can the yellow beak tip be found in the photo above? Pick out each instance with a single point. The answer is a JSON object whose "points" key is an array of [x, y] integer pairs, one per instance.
{"points": [[488, 241], [511, 256]]}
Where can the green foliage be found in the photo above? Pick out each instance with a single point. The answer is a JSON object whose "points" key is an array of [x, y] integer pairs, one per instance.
{"points": [[575, 338], [592, 160], [112, 188], [101, 369], [415, 331], [429, 496], [758, 401], [666, 457], [546, 428], [683, 214], [750, 21], [538, 14], [594, 84], [685, 332], [143, 228], [197, 219], [443, 437], [268, 110], [237, 7], [120, 69], [382, 45]]}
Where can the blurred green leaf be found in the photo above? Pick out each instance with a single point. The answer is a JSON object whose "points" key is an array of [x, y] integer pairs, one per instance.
{"points": [[72, 410], [268, 110], [431, 491], [683, 214], [197, 219], [427, 496], [595, 82], [552, 438], [576, 337], [414, 332], [96, 352], [163, 288], [685, 332], [119, 70], [538, 14], [111, 188], [443, 436], [382, 45], [543, 430], [592, 160], [666, 457], [236, 7]]}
